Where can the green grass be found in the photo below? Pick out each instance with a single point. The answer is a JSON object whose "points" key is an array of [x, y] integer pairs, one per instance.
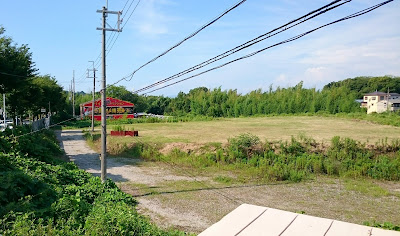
{"points": [[365, 187]]}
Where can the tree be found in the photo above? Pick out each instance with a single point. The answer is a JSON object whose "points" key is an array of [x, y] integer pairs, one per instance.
{"points": [[120, 92], [16, 65], [49, 91], [365, 84]]}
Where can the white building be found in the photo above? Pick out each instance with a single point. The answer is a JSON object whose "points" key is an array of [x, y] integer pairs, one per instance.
{"points": [[379, 102]]}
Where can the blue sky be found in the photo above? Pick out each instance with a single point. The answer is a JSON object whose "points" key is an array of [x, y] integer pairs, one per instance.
{"points": [[62, 36]]}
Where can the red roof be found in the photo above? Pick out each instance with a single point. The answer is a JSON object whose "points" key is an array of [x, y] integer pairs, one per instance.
{"points": [[111, 102]]}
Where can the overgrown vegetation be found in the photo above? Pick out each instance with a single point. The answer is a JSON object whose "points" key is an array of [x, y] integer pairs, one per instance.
{"points": [[294, 160], [41, 195]]}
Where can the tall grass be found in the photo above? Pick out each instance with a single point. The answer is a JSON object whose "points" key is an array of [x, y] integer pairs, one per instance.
{"points": [[294, 160]]}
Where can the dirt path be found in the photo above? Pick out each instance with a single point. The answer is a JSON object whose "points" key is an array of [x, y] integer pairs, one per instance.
{"points": [[131, 175], [173, 198]]}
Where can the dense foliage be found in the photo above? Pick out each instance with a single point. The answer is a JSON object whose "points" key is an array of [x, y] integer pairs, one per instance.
{"points": [[229, 103], [26, 92], [292, 100], [363, 84], [295, 160], [40, 195], [14, 60]]}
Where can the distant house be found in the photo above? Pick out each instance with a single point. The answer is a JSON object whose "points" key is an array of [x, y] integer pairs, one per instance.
{"points": [[115, 109], [379, 102]]}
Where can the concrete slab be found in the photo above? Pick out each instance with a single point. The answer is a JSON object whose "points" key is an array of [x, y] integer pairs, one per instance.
{"points": [[272, 222], [250, 220], [382, 232], [308, 225], [344, 228], [235, 221]]}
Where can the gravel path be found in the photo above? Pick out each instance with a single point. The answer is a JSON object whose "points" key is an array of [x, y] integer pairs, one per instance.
{"points": [[118, 169], [128, 173]]}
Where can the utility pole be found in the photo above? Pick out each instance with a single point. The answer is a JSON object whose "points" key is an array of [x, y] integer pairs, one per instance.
{"points": [[4, 109], [105, 12], [387, 102], [94, 89], [73, 93]]}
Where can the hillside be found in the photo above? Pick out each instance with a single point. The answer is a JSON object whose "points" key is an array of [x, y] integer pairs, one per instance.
{"points": [[367, 84]]}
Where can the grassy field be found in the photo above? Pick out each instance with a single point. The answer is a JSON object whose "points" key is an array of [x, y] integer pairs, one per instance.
{"points": [[322, 129], [168, 203]]}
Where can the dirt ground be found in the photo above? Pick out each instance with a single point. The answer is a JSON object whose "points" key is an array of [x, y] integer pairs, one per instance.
{"points": [[174, 198]]}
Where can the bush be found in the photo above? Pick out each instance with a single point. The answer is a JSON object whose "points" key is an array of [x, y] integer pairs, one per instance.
{"points": [[243, 146], [293, 161], [40, 195]]}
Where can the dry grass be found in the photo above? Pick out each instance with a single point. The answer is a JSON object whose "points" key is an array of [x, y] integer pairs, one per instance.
{"points": [[322, 129]]}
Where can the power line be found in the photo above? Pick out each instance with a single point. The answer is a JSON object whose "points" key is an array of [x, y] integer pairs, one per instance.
{"points": [[183, 40], [124, 25], [207, 186], [280, 43], [45, 128], [21, 76], [249, 43], [110, 37]]}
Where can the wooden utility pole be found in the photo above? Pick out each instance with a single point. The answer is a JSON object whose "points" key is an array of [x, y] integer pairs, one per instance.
{"points": [[73, 93], [105, 12], [94, 90]]}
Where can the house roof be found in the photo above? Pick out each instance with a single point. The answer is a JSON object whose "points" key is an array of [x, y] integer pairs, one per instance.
{"points": [[256, 220], [376, 93], [111, 102]]}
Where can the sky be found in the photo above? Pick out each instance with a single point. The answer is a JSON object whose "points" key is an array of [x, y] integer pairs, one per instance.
{"points": [[62, 37]]}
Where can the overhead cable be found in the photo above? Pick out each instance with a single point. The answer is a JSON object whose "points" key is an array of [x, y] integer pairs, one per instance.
{"points": [[183, 40], [249, 43], [111, 37], [108, 51], [280, 43]]}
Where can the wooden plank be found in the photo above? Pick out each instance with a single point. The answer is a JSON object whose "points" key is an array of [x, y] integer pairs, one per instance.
{"points": [[382, 232], [235, 221], [344, 228], [272, 222], [308, 225]]}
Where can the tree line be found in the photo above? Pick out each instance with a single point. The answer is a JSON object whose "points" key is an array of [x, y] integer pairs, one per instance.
{"points": [[335, 97], [367, 84]]}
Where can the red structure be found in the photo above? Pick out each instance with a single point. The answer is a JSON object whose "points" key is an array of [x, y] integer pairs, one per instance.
{"points": [[116, 109]]}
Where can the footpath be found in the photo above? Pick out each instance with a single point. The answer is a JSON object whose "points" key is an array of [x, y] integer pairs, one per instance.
{"points": [[133, 177]]}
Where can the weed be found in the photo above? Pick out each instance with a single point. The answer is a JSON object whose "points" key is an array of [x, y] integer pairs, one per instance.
{"points": [[223, 179], [385, 225], [365, 187]]}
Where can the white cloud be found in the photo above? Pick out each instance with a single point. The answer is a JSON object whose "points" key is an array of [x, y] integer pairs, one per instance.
{"points": [[282, 78], [151, 20], [152, 29]]}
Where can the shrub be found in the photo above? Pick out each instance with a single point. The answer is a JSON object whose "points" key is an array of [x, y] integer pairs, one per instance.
{"points": [[243, 146], [40, 195]]}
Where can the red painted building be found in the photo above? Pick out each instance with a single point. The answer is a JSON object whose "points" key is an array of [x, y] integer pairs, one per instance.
{"points": [[116, 109]]}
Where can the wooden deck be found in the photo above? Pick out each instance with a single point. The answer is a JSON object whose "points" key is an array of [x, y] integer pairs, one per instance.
{"points": [[256, 220]]}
